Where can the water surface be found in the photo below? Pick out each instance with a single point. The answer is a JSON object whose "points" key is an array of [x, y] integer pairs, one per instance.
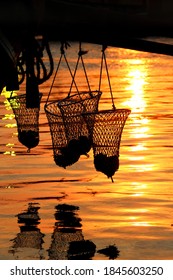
{"points": [[135, 212]]}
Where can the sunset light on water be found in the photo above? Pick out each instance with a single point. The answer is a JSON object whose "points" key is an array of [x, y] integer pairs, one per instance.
{"points": [[134, 212]]}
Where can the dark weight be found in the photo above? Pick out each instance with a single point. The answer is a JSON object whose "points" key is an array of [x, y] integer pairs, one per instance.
{"points": [[69, 154], [28, 138], [72, 152], [106, 165], [84, 145]]}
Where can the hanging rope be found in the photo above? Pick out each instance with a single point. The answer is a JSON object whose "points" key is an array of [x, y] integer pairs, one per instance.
{"points": [[74, 105], [69, 131], [63, 55], [106, 127], [65, 152], [83, 101], [81, 53], [80, 57], [103, 59]]}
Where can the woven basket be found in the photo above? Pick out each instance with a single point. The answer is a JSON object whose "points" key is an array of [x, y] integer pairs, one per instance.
{"points": [[58, 135], [27, 121], [66, 150], [85, 101], [106, 128], [69, 131], [72, 109]]}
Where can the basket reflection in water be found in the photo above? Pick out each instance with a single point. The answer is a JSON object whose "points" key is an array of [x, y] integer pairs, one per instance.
{"points": [[105, 129], [67, 240], [30, 238]]}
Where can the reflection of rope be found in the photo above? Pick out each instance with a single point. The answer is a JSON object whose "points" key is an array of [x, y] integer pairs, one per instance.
{"points": [[41, 72]]}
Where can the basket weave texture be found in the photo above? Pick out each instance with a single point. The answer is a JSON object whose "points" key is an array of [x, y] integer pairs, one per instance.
{"points": [[69, 130], [72, 109], [57, 128], [27, 120], [106, 128]]}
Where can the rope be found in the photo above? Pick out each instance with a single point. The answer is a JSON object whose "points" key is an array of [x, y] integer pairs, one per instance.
{"points": [[85, 73], [107, 72], [68, 66], [71, 73], [80, 54], [101, 69], [73, 79]]}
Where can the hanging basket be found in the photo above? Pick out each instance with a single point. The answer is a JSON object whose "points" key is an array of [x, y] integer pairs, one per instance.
{"points": [[27, 121], [72, 109], [81, 102], [65, 152], [69, 131], [106, 128]]}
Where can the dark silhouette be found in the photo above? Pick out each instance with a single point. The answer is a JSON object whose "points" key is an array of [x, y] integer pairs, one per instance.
{"points": [[67, 239], [29, 235], [111, 251]]}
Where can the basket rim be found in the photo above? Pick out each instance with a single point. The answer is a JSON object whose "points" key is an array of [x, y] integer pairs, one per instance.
{"points": [[49, 112], [67, 98]]}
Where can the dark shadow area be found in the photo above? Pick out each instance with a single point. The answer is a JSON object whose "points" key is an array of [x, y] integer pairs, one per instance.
{"points": [[67, 240], [111, 252]]}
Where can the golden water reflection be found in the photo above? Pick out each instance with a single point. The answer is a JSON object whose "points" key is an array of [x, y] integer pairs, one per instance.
{"points": [[135, 212], [137, 79], [140, 132], [9, 117]]}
